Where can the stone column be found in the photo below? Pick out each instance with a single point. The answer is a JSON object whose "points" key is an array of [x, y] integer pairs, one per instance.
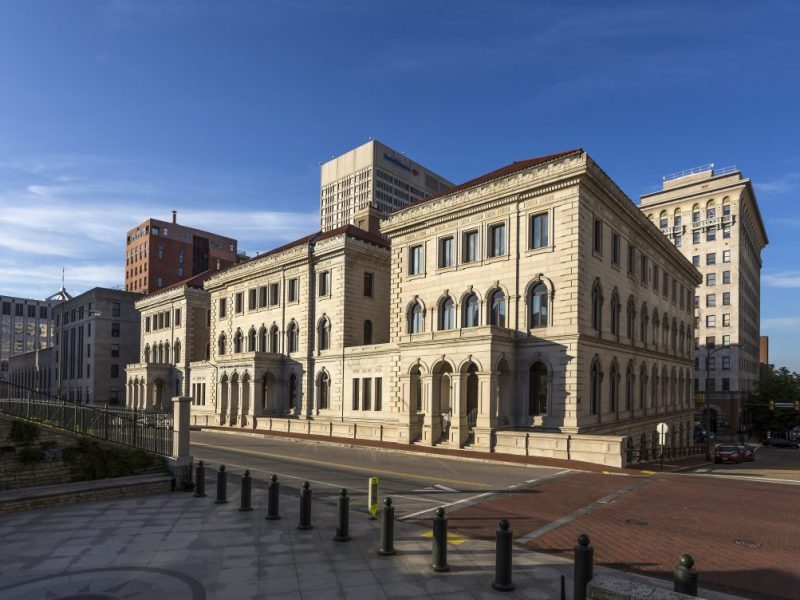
{"points": [[180, 463], [489, 388], [432, 424], [459, 431], [251, 407]]}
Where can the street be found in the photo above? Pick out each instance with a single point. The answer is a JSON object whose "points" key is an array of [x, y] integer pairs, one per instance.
{"points": [[781, 464], [417, 483]]}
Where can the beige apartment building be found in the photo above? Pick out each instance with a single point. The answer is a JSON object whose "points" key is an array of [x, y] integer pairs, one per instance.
{"points": [[712, 217], [372, 175], [533, 310]]}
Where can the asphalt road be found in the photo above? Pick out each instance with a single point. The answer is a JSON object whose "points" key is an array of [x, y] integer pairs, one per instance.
{"points": [[781, 465], [417, 483]]}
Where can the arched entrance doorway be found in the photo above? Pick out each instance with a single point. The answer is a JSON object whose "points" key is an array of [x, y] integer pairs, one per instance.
{"points": [[470, 373], [245, 401], [233, 412], [415, 390], [539, 385], [269, 403]]}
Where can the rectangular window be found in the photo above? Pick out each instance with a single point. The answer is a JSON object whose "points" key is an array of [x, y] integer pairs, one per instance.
{"points": [[726, 363], [695, 237], [726, 298], [415, 260], [631, 259], [115, 330], [726, 320], [726, 231], [147, 324], [711, 363], [643, 274], [114, 371], [19, 310], [726, 277], [711, 384], [726, 256], [726, 384], [368, 278], [166, 319], [238, 302], [115, 350], [222, 307], [711, 213], [294, 289], [366, 403], [274, 294], [711, 234], [252, 298], [497, 240], [678, 240], [262, 297], [378, 393], [615, 248], [696, 301], [710, 342], [356, 393], [711, 320], [597, 243], [726, 340], [711, 299], [711, 279], [6, 308], [324, 283], [177, 317], [446, 252], [696, 260], [711, 258], [471, 246], [539, 233], [656, 277]]}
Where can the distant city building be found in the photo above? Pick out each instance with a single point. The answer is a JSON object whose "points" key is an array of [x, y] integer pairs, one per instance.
{"points": [[763, 354], [26, 325], [372, 175], [33, 372], [159, 254], [712, 217], [99, 333]]}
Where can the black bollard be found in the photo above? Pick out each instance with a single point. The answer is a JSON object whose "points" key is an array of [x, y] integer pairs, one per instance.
{"points": [[200, 476], [305, 508], [273, 499], [685, 576], [247, 489], [222, 486], [502, 566], [563, 589], [439, 563], [342, 518], [584, 571], [387, 529]]}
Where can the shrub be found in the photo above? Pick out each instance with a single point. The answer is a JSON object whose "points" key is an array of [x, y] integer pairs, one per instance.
{"points": [[90, 460], [30, 454], [24, 434]]}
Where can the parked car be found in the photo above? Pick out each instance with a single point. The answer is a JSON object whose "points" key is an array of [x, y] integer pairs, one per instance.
{"points": [[727, 454], [781, 443], [747, 453]]}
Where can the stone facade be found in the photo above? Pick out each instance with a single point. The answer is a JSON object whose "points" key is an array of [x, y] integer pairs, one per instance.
{"points": [[712, 217], [534, 310]]}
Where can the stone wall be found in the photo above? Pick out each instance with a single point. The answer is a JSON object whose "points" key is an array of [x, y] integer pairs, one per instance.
{"points": [[608, 587]]}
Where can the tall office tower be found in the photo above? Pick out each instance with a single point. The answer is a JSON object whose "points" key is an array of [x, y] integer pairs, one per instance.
{"points": [[26, 325], [712, 217], [159, 254], [372, 175]]}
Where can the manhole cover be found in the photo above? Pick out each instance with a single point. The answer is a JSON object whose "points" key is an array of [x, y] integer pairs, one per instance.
{"points": [[635, 522], [747, 543]]}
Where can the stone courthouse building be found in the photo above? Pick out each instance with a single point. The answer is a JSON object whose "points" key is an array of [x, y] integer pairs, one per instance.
{"points": [[533, 310]]}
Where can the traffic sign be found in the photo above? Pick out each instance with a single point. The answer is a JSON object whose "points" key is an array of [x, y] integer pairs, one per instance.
{"points": [[662, 429]]}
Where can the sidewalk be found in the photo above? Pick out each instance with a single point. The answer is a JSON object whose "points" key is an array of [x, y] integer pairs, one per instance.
{"points": [[175, 546]]}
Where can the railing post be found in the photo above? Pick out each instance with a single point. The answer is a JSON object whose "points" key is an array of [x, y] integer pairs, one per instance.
{"points": [[133, 442], [304, 523], [502, 568], [273, 499], [685, 576], [247, 489], [200, 483], [439, 563], [584, 570], [342, 517], [387, 529], [222, 486]]}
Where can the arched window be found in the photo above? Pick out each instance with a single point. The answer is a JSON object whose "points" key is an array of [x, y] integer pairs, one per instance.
{"points": [[471, 310], [416, 318], [656, 325], [711, 211], [665, 332], [147, 353], [497, 308], [416, 389], [613, 388], [221, 344], [447, 314], [664, 386], [251, 340], [165, 359], [654, 387], [629, 386], [615, 312], [631, 321], [642, 386], [274, 339], [324, 333], [539, 383], [696, 213], [676, 217], [160, 353], [681, 339], [595, 391], [237, 341], [262, 339], [674, 336], [176, 352], [643, 324], [538, 303], [367, 332], [324, 390], [597, 308], [662, 220], [292, 337], [292, 384]]}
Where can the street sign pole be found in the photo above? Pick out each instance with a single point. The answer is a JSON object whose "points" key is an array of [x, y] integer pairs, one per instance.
{"points": [[662, 429]]}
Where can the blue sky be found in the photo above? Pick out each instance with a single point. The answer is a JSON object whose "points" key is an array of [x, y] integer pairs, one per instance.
{"points": [[115, 111]]}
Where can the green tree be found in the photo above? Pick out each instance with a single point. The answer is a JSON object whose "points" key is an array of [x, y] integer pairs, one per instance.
{"points": [[774, 386]]}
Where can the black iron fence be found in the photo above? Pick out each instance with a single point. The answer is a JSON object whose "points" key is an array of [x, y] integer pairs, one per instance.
{"points": [[149, 431], [640, 454]]}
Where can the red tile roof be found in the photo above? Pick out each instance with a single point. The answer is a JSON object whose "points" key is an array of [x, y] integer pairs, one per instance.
{"points": [[519, 165]]}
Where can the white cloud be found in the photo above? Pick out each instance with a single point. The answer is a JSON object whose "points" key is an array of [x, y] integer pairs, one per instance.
{"points": [[782, 279], [780, 324], [781, 185]]}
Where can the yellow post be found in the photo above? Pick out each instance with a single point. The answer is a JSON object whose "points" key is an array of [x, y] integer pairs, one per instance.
{"points": [[372, 497]]}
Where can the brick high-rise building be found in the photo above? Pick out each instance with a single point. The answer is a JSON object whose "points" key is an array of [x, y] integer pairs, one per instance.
{"points": [[159, 254]]}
